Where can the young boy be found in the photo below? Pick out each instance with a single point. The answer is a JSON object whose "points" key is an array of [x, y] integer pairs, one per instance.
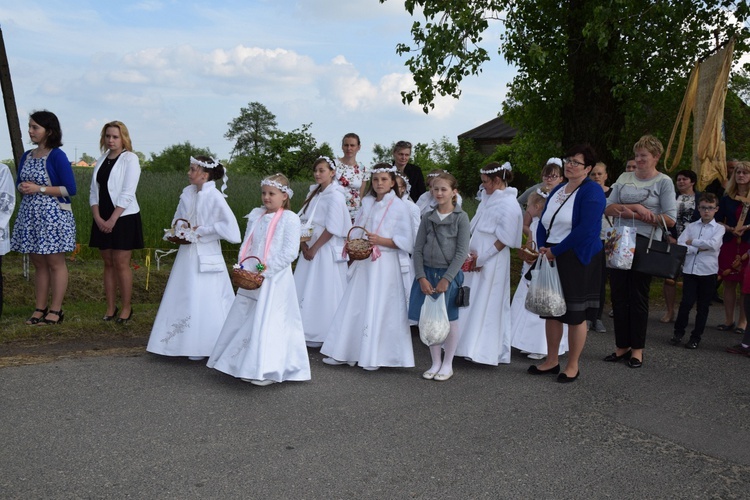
{"points": [[703, 239]]}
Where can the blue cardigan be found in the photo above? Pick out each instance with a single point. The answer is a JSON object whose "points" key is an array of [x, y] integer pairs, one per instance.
{"points": [[59, 170], [588, 207]]}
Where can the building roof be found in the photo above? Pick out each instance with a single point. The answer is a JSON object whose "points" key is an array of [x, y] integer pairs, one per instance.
{"points": [[493, 129]]}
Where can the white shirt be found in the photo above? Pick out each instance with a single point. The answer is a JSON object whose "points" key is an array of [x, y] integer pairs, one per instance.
{"points": [[702, 257]]}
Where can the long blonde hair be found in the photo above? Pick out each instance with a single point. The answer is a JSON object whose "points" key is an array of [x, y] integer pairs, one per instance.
{"points": [[731, 190]]}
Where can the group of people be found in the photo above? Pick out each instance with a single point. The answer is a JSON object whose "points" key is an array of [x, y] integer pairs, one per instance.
{"points": [[357, 309]]}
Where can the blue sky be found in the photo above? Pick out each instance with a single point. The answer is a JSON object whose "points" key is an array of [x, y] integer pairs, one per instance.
{"points": [[179, 70]]}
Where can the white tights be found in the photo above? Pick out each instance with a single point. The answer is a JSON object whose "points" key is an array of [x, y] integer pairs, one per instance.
{"points": [[440, 364]]}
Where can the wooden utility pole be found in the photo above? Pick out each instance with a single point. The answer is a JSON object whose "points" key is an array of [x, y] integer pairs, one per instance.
{"points": [[9, 99]]}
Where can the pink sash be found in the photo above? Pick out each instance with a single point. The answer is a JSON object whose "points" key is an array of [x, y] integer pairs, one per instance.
{"points": [[271, 229]]}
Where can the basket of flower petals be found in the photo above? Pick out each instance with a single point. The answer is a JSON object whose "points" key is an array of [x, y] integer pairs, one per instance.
{"points": [[358, 249], [248, 276], [181, 235]]}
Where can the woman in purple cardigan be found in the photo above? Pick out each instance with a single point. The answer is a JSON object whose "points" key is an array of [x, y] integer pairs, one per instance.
{"points": [[45, 228], [568, 234]]}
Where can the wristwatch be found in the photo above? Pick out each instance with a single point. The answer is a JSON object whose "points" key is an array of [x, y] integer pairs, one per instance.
{"points": [[43, 189]]}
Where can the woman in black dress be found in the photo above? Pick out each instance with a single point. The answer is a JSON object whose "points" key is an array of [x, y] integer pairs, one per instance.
{"points": [[117, 229]]}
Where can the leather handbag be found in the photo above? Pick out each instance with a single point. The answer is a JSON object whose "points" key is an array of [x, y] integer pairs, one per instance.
{"points": [[658, 257], [462, 298]]}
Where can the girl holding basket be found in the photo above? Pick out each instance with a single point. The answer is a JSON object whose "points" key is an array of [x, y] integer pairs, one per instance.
{"points": [[262, 340]]}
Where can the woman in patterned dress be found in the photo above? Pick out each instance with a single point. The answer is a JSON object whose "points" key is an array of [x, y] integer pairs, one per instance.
{"points": [[352, 174], [45, 228]]}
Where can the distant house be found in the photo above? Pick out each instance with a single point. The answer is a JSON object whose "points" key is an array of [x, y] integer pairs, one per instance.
{"points": [[82, 164], [490, 135]]}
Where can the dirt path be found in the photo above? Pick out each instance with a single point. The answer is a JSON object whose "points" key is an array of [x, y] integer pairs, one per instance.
{"points": [[18, 353]]}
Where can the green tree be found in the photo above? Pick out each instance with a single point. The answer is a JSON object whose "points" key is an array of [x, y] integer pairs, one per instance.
{"points": [[11, 163], [599, 72], [176, 157], [382, 154], [88, 158], [252, 131]]}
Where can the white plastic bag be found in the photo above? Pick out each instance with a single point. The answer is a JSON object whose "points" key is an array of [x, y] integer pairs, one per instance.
{"points": [[433, 320], [619, 246], [545, 296]]}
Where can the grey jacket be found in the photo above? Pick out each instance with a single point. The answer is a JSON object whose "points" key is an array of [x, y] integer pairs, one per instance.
{"points": [[447, 249]]}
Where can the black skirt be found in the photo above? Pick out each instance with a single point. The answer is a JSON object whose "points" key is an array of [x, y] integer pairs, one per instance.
{"points": [[581, 286], [126, 235]]}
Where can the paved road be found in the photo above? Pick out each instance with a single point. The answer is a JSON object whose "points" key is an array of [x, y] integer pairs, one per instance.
{"points": [[150, 427]]}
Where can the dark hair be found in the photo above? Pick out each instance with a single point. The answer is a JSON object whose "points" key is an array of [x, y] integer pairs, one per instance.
{"points": [[213, 173], [51, 124], [351, 135], [549, 168], [709, 198], [504, 174], [689, 174], [588, 153], [371, 190]]}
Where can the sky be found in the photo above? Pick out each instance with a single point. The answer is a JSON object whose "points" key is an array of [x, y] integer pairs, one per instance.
{"points": [[176, 71]]}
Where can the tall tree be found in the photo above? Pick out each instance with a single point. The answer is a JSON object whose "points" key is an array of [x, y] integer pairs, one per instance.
{"points": [[601, 72], [252, 130], [176, 157]]}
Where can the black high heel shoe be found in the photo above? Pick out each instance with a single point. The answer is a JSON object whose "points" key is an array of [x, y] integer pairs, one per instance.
{"points": [[110, 318], [122, 321], [33, 320], [60, 317]]}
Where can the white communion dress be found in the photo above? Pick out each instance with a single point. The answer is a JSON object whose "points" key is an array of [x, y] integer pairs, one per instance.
{"points": [[320, 282], [370, 326], [485, 325], [262, 338], [199, 292]]}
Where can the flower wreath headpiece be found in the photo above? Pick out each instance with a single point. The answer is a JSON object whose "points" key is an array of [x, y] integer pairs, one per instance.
{"points": [[554, 161], [215, 163], [504, 166], [406, 182], [384, 169], [435, 174], [279, 186], [331, 163], [542, 193]]}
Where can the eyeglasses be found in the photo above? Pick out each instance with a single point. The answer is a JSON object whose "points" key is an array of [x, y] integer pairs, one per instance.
{"points": [[574, 162], [551, 177], [706, 209]]}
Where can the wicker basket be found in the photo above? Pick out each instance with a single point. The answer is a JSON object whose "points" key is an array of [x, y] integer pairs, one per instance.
{"points": [[358, 249], [528, 252], [306, 233], [177, 239], [248, 280]]}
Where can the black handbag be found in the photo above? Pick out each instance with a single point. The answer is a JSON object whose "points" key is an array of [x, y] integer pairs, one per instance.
{"points": [[658, 257], [462, 298]]}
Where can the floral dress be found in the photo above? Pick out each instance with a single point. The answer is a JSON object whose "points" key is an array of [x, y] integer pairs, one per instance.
{"points": [[352, 178], [41, 227]]}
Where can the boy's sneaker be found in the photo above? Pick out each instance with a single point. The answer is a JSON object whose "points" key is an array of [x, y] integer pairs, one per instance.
{"points": [[675, 340], [599, 326], [692, 344], [739, 349]]}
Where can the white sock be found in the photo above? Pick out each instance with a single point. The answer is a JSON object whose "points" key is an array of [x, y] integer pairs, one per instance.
{"points": [[450, 345]]}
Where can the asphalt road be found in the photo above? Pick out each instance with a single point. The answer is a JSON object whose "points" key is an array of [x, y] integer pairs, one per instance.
{"points": [[150, 427]]}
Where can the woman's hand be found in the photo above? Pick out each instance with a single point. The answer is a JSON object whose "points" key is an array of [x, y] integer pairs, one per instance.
{"points": [[425, 286], [442, 286], [28, 187], [547, 253], [309, 252], [107, 225], [99, 223], [739, 232]]}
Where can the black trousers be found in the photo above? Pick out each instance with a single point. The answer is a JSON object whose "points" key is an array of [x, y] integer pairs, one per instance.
{"points": [[698, 289], [630, 293]]}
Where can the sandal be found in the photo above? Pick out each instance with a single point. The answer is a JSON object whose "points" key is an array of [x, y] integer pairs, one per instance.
{"points": [[725, 328], [60, 317], [33, 320], [740, 331]]}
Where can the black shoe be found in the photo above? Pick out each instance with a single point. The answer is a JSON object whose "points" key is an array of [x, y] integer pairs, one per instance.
{"points": [[614, 358], [692, 344], [533, 370], [33, 320], [122, 321], [60, 317], [564, 379], [635, 363], [675, 340], [110, 318]]}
